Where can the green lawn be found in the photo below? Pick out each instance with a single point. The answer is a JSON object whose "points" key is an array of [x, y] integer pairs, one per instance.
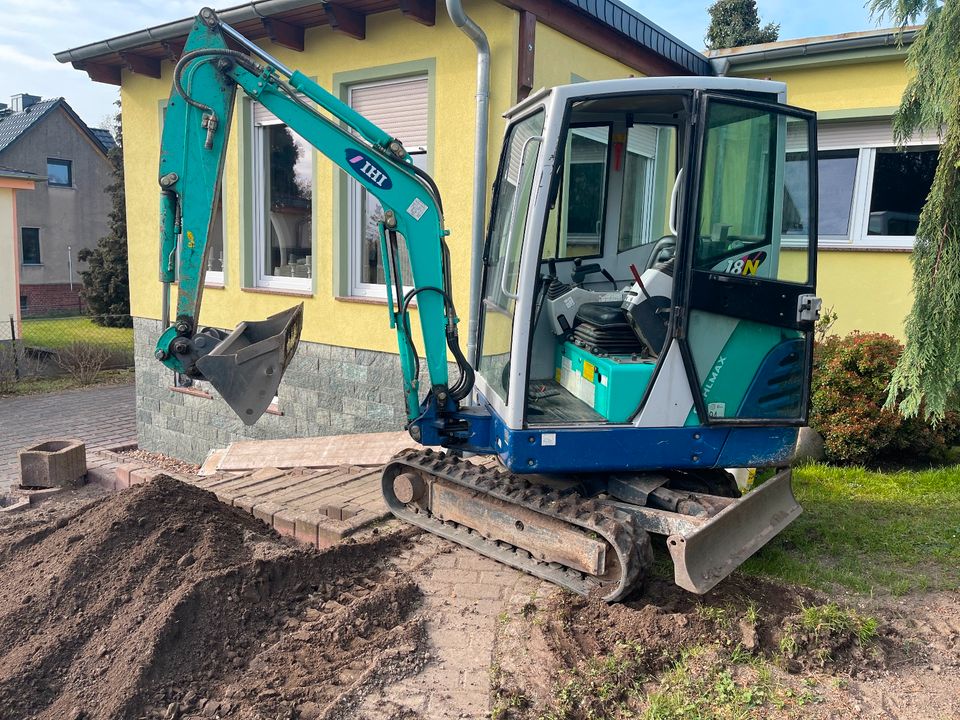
{"points": [[44, 385], [56, 333], [870, 531]]}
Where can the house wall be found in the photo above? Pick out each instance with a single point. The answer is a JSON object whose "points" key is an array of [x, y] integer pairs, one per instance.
{"points": [[75, 216], [560, 61], [868, 289], [346, 374], [9, 259]]}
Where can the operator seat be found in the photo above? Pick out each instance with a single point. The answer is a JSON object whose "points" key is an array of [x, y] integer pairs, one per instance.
{"points": [[606, 329]]}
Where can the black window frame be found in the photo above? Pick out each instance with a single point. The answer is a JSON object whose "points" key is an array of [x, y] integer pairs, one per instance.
{"points": [[23, 254], [68, 164]]}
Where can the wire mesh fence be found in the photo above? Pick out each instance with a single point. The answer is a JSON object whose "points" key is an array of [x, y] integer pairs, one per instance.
{"points": [[79, 345]]}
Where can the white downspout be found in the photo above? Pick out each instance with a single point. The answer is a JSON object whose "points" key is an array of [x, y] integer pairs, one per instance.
{"points": [[472, 30]]}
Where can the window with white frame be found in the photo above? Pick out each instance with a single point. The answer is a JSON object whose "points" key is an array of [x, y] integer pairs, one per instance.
{"points": [[283, 205], [215, 246], [648, 178], [870, 191], [400, 107]]}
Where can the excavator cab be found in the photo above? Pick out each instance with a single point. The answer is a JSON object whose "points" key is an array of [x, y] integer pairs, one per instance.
{"points": [[648, 304], [650, 263]]}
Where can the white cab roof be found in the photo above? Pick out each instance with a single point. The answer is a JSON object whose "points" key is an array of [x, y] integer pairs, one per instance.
{"points": [[624, 86]]}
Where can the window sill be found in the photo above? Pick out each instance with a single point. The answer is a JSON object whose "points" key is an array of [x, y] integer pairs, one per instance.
{"points": [[213, 285], [365, 300], [361, 300], [856, 247], [278, 291], [192, 391], [31, 264]]}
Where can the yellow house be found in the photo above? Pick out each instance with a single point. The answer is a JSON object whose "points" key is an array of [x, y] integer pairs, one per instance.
{"points": [[298, 230], [870, 192], [11, 181]]}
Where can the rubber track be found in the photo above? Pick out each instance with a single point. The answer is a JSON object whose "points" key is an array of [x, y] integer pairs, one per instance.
{"points": [[630, 543]]}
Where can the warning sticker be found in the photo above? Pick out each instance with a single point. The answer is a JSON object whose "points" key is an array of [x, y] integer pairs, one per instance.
{"points": [[417, 209], [548, 439], [588, 369], [717, 409]]}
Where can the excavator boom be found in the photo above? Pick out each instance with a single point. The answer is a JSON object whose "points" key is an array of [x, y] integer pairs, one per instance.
{"points": [[246, 367]]}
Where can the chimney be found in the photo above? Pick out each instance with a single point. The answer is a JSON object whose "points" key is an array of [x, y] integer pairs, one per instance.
{"points": [[4, 110], [22, 101]]}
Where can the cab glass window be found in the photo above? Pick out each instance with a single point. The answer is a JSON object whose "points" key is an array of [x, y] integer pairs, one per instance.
{"points": [[754, 192], [502, 258]]}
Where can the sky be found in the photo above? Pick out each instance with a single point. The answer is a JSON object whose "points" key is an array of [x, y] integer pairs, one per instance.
{"points": [[33, 30]]}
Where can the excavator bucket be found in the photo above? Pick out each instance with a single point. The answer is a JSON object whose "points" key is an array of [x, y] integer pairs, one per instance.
{"points": [[706, 555], [246, 367]]}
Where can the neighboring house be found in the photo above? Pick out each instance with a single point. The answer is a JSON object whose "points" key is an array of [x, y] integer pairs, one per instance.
{"points": [[871, 193], [11, 181], [67, 212], [406, 66]]}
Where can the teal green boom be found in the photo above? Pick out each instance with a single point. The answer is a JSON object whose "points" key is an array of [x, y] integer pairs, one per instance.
{"points": [[194, 143]]}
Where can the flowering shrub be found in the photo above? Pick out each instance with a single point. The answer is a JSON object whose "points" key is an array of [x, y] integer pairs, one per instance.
{"points": [[850, 379]]}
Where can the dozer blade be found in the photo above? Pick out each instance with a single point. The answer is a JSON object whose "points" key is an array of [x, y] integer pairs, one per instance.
{"points": [[246, 367], [706, 555]]}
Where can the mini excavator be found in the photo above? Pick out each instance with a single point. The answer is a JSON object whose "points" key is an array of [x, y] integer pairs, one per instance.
{"points": [[645, 321]]}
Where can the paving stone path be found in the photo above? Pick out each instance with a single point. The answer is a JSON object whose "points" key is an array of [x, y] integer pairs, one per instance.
{"points": [[465, 595], [102, 417]]}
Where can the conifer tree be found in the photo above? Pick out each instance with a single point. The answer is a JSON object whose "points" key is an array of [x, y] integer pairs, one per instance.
{"points": [[927, 376], [106, 287], [736, 22]]}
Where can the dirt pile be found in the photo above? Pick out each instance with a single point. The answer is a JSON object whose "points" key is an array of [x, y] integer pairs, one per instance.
{"points": [[570, 657], [161, 602]]}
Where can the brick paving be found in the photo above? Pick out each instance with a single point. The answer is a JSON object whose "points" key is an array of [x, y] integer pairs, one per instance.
{"points": [[101, 417], [465, 596]]}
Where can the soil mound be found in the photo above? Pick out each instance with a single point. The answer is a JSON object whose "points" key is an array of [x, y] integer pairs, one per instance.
{"points": [[573, 657], [161, 602]]}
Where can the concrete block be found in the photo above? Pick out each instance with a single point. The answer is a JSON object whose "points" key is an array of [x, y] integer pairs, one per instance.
{"points": [[265, 510], [53, 463], [13, 503], [122, 474], [306, 524], [285, 521], [144, 475], [810, 447]]}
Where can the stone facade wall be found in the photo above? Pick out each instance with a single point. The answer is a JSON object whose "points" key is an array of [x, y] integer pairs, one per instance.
{"points": [[327, 390]]}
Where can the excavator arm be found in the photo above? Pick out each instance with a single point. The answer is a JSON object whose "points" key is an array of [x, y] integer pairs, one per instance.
{"points": [[246, 366]]}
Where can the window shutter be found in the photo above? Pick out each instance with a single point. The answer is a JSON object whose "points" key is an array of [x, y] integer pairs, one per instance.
{"points": [[399, 107], [876, 132], [642, 140], [262, 116]]}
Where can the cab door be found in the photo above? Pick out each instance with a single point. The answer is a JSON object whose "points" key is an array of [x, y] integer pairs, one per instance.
{"points": [[749, 258]]}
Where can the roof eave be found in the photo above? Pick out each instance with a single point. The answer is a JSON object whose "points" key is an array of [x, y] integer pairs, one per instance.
{"points": [[100, 58], [760, 55]]}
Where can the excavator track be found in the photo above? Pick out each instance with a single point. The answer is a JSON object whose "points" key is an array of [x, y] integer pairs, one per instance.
{"points": [[585, 545]]}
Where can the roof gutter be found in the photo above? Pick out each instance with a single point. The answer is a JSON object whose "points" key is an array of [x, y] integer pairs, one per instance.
{"points": [[723, 63], [479, 38], [178, 28]]}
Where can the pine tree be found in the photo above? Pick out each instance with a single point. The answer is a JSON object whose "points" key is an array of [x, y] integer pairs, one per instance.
{"points": [[928, 374], [736, 22], [106, 287]]}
